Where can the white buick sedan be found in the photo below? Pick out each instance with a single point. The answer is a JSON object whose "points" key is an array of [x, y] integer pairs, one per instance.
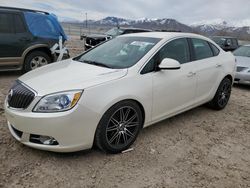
{"points": [[105, 96]]}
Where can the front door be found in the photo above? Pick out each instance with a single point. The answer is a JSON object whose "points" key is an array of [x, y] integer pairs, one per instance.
{"points": [[174, 90]]}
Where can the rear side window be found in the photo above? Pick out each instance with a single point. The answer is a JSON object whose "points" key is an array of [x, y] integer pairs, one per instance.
{"points": [[215, 49], [5, 23], [202, 49], [19, 25]]}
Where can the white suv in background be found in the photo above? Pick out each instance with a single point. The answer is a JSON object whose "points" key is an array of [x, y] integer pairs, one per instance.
{"points": [[108, 94]]}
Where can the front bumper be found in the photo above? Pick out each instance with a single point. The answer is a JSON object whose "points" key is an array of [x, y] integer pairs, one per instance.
{"points": [[242, 77], [74, 130]]}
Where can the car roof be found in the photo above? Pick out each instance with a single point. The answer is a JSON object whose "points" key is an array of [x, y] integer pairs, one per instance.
{"points": [[15, 9], [165, 35], [227, 37]]}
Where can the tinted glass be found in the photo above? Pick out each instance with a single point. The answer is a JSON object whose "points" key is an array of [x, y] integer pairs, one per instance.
{"points": [[19, 25], [202, 49], [121, 52], [242, 51], [5, 23], [215, 49], [150, 67], [177, 49], [235, 43]]}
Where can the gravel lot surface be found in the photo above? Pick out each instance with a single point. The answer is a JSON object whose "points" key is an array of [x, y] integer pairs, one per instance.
{"points": [[199, 148]]}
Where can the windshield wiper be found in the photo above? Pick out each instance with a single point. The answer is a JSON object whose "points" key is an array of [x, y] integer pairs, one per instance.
{"points": [[96, 63]]}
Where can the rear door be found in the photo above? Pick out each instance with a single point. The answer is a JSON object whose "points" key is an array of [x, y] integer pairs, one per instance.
{"points": [[22, 36], [207, 68], [6, 35]]}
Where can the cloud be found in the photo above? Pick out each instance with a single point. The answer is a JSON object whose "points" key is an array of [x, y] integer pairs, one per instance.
{"points": [[185, 11]]}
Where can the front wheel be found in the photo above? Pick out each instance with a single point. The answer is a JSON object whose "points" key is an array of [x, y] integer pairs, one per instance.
{"points": [[222, 95], [119, 127]]}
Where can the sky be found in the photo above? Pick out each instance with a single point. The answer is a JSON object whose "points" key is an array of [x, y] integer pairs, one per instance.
{"points": [[185, 11]]}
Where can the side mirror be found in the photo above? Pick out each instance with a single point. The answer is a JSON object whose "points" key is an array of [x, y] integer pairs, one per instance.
{"points": [[169, 64]]}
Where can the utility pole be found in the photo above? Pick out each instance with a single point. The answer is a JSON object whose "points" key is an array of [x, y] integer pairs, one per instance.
{"points": [[86, 22]]}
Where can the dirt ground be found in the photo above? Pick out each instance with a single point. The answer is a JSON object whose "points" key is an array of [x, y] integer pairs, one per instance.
{"points": [[199, 148]]}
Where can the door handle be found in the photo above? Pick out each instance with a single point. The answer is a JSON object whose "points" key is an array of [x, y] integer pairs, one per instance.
{"points": [[190, 74], [218, 65]]}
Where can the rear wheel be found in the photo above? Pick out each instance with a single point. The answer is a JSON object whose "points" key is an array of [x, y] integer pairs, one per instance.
{"points": [[222, 95], [35, 60], [119, 127]]}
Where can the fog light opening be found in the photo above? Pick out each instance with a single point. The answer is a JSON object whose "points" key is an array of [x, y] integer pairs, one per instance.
{"points": [[48, 140], [45, 140]]}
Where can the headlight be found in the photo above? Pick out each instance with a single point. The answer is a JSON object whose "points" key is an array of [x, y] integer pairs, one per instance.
{"points": [[58, 102]]}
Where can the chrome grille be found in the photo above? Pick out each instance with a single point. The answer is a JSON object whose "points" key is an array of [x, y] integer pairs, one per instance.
{"points": [[20, 97], [239, 69]]}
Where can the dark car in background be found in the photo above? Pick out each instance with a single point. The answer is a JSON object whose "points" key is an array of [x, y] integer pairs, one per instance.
{"points": [[26, 37], [226, 43], [94, 39]]}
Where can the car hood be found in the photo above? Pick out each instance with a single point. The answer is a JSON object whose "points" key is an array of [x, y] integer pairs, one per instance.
{"points": [[69, 75], [243, 61]]}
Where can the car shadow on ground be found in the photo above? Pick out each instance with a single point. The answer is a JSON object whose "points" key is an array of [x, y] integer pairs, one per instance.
{"points": [[242, 86], [11, 73]]}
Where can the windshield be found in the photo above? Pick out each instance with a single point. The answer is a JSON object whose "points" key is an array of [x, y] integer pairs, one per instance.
{"points": [[242, 51], [219, 40], [114, 32], [119, 53]]}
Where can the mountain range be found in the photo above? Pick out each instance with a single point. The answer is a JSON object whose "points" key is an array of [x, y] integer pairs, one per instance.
{"points": [[240, 30]]}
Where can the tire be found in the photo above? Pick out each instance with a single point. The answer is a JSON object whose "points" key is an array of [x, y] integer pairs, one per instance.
{"points": [[35, 60], [119, 127], [222, 95]]}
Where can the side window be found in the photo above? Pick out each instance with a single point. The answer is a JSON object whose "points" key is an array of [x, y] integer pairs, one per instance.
{"points": [[177, 49], [234, 42], [5, 23], [215, 49], [202, 49], [150, 67], [19, 25]]}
